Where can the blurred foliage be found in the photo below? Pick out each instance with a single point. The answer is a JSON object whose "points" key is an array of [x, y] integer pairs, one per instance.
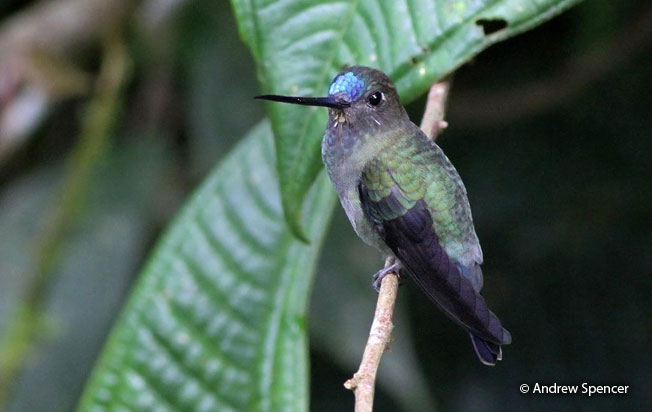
{"points": [[559, 195], [96, 264]]}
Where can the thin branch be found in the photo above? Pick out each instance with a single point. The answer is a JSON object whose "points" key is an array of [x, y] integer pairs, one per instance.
{"points": [[433, 122], [36, 69], [61, 26], [363, 381]]}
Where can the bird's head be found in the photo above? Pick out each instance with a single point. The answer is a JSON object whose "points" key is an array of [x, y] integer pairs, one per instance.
{"points": [[357, 93]]}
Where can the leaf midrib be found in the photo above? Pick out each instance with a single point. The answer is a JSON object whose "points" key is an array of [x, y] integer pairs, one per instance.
{"points": [[272, 335], [346, 24]]}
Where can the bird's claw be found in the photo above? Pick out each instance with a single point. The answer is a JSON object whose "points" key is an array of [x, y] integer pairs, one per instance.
{"points": [[378, 276]]}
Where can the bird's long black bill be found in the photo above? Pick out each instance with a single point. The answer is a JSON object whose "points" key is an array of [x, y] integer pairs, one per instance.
{"points": [[306, 101]]}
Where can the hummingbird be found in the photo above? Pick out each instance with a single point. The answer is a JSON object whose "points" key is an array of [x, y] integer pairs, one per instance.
{"points": [[404, 197]]}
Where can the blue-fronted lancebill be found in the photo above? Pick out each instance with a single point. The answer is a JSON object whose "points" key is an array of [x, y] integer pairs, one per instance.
{"points": [[404, 197]]}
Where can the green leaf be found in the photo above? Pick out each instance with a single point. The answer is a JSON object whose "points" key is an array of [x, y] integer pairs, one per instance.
{"points": [[301, 44], [217, 319]]}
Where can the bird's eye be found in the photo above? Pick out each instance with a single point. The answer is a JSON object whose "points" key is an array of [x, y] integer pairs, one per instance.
{"points": [[375, 98]]}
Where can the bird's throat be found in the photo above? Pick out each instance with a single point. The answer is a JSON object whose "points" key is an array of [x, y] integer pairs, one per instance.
{"points": [[339, 117]]}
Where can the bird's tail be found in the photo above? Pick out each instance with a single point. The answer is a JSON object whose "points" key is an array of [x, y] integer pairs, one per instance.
{"points": [[488, 352]]}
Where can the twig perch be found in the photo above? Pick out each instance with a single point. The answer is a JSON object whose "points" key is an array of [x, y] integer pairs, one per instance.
{"points": [[363, 381], [433, 121]]}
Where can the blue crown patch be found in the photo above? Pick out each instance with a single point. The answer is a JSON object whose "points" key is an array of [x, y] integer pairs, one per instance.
{"points": [[348, 86]]}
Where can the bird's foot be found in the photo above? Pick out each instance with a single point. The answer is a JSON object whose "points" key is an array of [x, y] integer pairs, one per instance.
{"points": [[378, 276]]}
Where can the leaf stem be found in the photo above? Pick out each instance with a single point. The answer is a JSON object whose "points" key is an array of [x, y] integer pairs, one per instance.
{"points": [[363, 381]]}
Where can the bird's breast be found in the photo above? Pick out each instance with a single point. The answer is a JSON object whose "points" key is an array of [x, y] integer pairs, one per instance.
{"points": [[345, 156]]}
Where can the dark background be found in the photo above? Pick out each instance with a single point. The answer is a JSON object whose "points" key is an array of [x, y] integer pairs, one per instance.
{"points": [[550, 132]]}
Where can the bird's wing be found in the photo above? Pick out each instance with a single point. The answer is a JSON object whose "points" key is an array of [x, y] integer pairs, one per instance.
{"points": [[406, 226]]}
